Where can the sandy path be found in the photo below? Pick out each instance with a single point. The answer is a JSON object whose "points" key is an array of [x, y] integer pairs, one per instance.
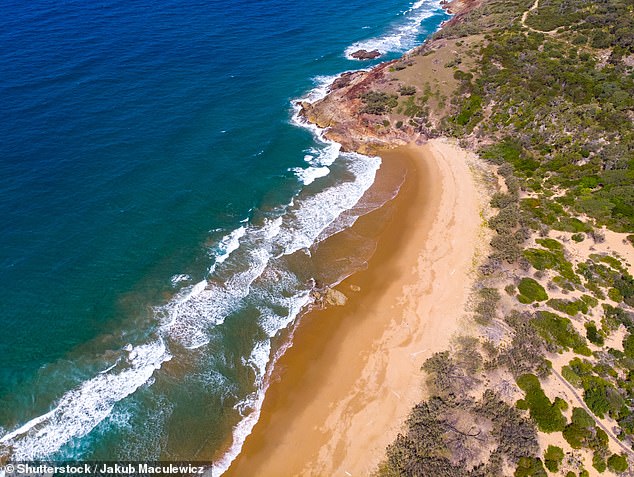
{"points": [[353, 374]]}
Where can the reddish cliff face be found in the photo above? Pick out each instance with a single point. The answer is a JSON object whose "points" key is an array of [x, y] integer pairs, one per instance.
{"points": [[417, 115], [341, 113]]}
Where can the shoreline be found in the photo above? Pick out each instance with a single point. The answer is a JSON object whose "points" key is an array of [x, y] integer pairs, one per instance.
{"points": [[355, 370]]}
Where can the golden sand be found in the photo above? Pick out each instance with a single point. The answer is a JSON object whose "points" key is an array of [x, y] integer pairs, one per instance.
{"points": [[341, 394]]}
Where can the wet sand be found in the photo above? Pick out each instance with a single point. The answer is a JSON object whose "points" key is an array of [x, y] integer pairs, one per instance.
{"points": [[342, 392]]}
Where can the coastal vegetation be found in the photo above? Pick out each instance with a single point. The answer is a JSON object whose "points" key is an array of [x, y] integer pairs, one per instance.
{"points": [[546, 97], [543, 91]]}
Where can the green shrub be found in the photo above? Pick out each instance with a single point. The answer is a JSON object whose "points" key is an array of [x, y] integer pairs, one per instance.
{"points": [[580, 430], [550, 244], [593, 335], [572, 377], [546, 415], [540, 259], [625, 285], [559, 331], [530, 467], [378, 102], [617, 463], [553, 457], [602, 397], [598, 462], [407, 90], [589, 300], [551, 258], [530, 290], [470, 110], [615, 295], [462, 76], [568, 307], [628, 345]]}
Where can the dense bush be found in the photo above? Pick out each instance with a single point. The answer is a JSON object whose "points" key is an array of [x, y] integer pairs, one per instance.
{"points": [[593, 335], [530, 290], [378, 102], [553, 457], [558, 331], [525, 353], [546, 415], [617, 463], [506, 247], [570, 307], [530, 467], [486, 308], [407, 90], [628, 345], [551, 257]]}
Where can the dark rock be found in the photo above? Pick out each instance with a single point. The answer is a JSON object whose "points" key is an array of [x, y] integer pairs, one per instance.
{"points": [[366, 55], [342, 81]]}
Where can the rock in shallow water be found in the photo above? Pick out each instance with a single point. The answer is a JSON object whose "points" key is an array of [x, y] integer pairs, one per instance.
{"points": [[366, 55]]}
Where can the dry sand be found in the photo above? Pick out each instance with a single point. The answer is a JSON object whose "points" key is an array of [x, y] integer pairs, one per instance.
{"points": [[344, 390]]}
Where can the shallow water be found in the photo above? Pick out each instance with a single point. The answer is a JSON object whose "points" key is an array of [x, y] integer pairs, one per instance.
{"points": [[159, 204]]}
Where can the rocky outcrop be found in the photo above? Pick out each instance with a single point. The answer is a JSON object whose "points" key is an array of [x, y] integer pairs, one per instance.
{"points": [[340, 113], [366, 55], [329, 297]]}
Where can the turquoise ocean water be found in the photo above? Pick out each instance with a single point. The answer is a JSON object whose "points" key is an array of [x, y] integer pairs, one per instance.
{"points": [[159, 202]]}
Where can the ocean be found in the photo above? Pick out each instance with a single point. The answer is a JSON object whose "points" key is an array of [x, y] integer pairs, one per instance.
{"points": [[162, 207]]}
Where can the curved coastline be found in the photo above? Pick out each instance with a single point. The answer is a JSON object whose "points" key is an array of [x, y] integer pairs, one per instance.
{"points": [[354, 370], [297, 408]]}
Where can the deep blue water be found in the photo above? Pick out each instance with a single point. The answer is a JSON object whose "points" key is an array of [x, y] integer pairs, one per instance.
{"points": [[152, 217]]}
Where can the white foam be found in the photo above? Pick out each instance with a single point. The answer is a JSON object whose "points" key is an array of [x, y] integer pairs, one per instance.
{"points": [[304, 223], [417, 5], [81, 409], [230, 243], [259, 358], [272, 323], [176, 279], [321, 88], [227, 245], [401, 37], [190, 315], [250, 407], [309, 175]]}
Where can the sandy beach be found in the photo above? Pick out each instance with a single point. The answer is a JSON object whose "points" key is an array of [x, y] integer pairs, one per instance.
{"points": [[341, 394]]}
